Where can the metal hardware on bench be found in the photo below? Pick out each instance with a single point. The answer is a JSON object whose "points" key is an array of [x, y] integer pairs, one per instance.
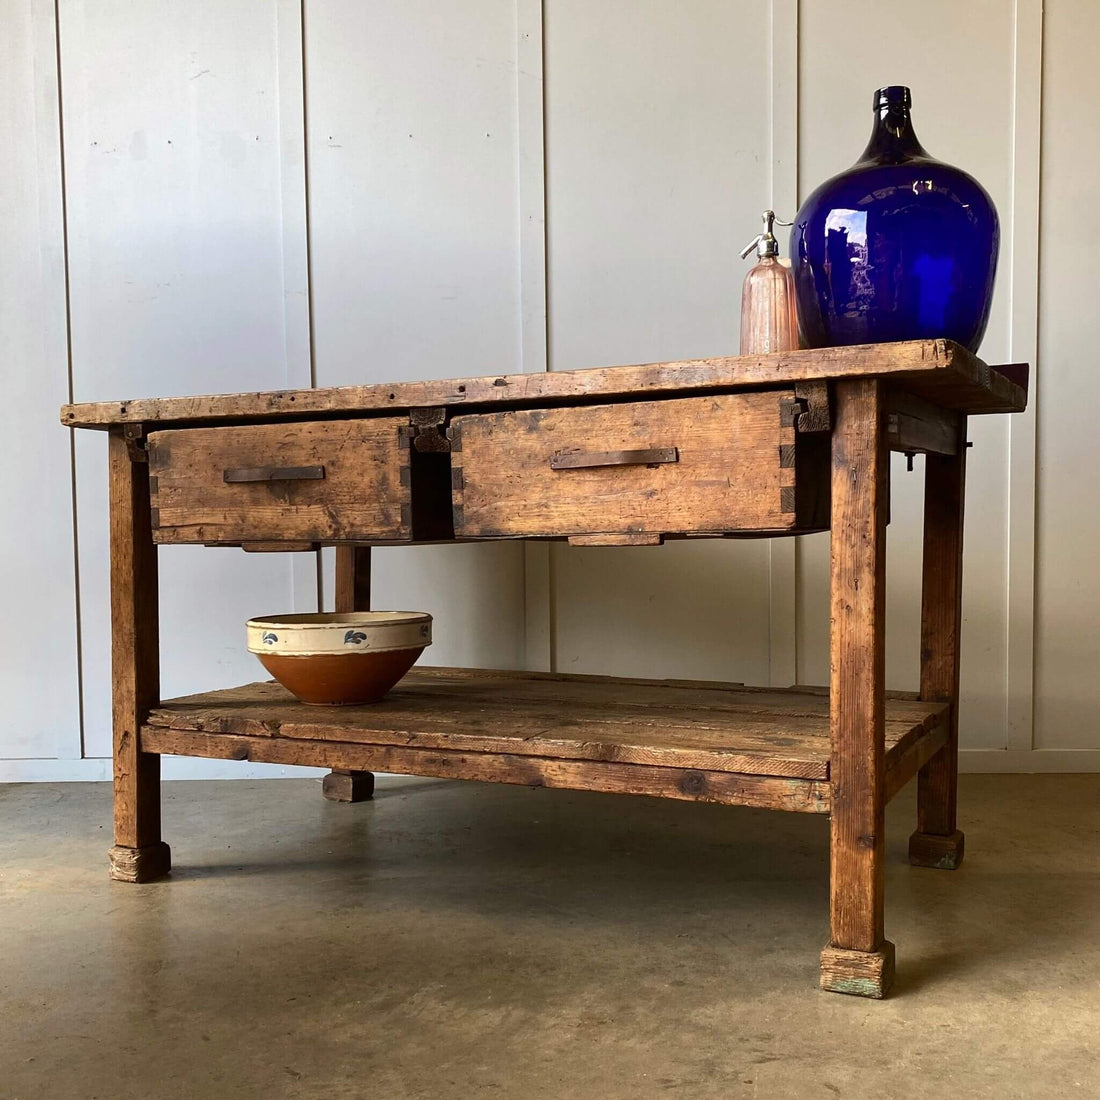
{"points": [[273, 473], [650, 456]]}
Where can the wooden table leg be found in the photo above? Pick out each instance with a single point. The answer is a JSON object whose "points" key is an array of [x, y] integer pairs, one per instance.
{"points": [[139, 854], [937, 841], [858, 959], [352, 594]]}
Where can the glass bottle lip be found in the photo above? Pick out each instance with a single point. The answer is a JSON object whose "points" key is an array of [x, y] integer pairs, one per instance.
{"points": [[893, 96]]}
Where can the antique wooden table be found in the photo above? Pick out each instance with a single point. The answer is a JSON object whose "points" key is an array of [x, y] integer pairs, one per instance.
{"points": [[748, 446]]}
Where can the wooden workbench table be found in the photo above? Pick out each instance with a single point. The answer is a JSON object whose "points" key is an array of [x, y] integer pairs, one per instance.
{"points": [[731, 447]]}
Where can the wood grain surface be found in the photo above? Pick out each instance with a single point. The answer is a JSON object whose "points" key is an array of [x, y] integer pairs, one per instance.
{"points": [[857, 665], [510, 474], [691, 784], [941, 623], [707, 726], [939, 370], [915, 425], [362, 493], [353, 573], [859, 973], [135, 668]]}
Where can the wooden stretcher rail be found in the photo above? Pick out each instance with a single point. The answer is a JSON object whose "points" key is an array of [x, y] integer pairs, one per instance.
{"points": [[691, 784], [694, 785]]}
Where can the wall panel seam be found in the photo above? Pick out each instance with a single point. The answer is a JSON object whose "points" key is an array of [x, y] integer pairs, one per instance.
{"points": [[534, 329], [307, 578], [1023, 346], [783, 195], [61, 184]]}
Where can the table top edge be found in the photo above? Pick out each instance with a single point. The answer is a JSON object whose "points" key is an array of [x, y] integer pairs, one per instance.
{"points": [[939, 369]]}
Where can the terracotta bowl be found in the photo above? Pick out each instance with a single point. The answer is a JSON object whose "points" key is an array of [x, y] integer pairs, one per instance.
{"points": [[347, 657]]}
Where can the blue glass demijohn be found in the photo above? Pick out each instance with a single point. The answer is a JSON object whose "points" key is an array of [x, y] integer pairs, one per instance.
{"points": [[898, 247]]}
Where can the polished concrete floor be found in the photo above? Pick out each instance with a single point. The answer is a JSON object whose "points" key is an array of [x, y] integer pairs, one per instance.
{"points": [[457, 940]]}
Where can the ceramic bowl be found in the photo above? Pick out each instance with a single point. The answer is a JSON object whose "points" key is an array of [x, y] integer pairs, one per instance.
{"points": [[346, 657]]}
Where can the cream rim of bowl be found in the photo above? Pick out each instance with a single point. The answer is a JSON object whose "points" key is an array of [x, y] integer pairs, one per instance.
{"points": [[339, 632]]}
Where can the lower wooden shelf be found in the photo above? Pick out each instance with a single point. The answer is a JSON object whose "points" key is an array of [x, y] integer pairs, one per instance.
{"points": [[701, 741]]}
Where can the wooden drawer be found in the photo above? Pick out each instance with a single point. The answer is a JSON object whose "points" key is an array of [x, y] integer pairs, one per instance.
{"points": [[321, 482], [705, 465]]}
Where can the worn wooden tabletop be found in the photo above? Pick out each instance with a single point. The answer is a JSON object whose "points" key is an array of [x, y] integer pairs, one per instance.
{"points": [[939, 370]]}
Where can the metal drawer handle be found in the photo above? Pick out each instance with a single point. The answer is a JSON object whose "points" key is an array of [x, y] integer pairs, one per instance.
{"points": [[650, 456], [273, 473]]}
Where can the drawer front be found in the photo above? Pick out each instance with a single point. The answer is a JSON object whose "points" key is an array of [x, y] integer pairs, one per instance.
{"points": [[705, 465], [327, 481]]}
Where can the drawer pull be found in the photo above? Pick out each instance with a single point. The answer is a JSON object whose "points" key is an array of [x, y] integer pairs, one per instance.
{"points": [[273, 473], [576, 460]]}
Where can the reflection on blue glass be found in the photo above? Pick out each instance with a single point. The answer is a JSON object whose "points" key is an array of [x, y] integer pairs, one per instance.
{"points": [[899, 247], [853, 223], [846, 258]]}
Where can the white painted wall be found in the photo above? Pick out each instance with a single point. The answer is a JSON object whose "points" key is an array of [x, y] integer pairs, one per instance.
{"points": [[261, 194], [178, 212], [1067, 650], [656, 173], [414, 235], [38, 640]]}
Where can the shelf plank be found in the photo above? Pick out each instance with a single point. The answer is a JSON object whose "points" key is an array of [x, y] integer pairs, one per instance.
{"points": [[716, 728], [937, 370]]}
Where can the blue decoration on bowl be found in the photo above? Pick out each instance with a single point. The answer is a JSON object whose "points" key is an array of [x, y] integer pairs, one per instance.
{"points": [[354, 637], [899, 247], [270, 639]]}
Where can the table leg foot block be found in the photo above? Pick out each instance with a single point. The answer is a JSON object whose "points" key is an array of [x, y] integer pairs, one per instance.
{"points": [[140, 864], [348, 786], [860, 973], [942, 852]]}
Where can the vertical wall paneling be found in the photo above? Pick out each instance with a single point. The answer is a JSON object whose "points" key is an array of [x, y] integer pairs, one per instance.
{"points": [[531, 154], [38, 645], [783, 134], [290, 89], [304, 568], [181, 256], [531, 157], [1067, 649], [656, 172], [414, 191], [1023, 347]]}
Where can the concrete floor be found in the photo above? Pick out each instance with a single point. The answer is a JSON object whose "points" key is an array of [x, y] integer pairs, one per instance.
{"points": [[455, 939]]}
